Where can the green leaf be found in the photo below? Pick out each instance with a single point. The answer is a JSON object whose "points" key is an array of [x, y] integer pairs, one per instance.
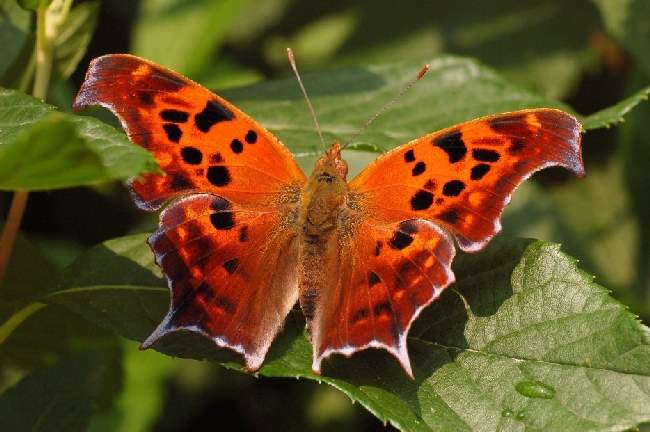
{"points": [[16, 39], [524, 339], [204, 23], [56, 398], [21, 281], [74, 36], [44, 149], [614, 114]]}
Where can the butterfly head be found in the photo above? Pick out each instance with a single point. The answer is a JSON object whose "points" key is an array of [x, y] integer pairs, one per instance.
{"points": [[332, 163]]}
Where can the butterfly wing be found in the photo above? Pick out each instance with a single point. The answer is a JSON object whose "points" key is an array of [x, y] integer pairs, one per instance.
{"points": [[202, 142], [231, 272], [387, 275], [227, 242], [398, 258], [462, 177]]}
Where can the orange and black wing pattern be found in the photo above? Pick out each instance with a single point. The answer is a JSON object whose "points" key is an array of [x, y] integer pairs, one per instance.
{"points": [[454, 181], [463, 177], [201, 142], [387, 275], [225, 241]]}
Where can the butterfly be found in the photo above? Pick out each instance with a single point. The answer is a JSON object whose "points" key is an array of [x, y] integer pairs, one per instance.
{"points": [[244, 234]]}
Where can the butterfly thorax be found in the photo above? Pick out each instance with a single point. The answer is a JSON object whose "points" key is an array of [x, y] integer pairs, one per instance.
{"points": [[324, 196]]}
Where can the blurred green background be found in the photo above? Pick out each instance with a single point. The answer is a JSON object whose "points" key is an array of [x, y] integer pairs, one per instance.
{"points": [[589, 54]]}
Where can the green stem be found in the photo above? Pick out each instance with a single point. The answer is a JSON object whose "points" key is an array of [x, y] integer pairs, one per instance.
{"points": [[44, 54], [44, 57]]}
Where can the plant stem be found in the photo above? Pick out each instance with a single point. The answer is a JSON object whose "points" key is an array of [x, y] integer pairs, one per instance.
{"points": [[44, 57], [44, 54], [18, 203]]}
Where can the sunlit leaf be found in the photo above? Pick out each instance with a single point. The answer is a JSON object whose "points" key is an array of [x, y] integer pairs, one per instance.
{"points": [[44, 149]]}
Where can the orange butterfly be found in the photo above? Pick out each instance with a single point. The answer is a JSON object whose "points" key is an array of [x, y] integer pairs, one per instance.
{"points": [[247, 234]]}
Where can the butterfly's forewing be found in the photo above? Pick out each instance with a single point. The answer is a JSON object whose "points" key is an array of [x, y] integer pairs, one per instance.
{"points": [[387, 274], [228, 245], [201, 142], [463, 177]]}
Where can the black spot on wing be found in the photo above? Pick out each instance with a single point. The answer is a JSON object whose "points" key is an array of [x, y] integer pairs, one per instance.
{"points": [[516, 146], [236, 146], [373, 279], [418, 169], [191, 155], [243, 234], [449, 216], [421, 200], [251, 137], [173, 132], [400, 240], [485, 155], [218, 175], [479, 170], [453, 188], [378, 248], [409, 156], [453, 145], [180, 182], [222, 220], [212, 113], [231, 265], [174, 116], [146, 98], [430, 185]]}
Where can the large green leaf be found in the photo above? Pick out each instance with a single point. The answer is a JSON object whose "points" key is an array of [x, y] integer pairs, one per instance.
{"points": [[44, 149], [524, 339]]}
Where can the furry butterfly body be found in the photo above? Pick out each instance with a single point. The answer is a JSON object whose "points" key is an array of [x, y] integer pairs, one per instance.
{"points": [[245, 234]]}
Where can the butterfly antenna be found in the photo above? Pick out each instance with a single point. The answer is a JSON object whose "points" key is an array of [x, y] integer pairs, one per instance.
{"points": [[389, 104], [292, 60]]}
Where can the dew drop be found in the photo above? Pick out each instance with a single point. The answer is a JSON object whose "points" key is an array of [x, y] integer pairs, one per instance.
{"points": [[520, 415], [535, 389], [507, 413]]}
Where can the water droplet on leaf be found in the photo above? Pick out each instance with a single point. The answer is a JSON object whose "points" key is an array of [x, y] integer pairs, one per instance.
{"points": [[535, 389], [520, 415], [507, 413]]}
